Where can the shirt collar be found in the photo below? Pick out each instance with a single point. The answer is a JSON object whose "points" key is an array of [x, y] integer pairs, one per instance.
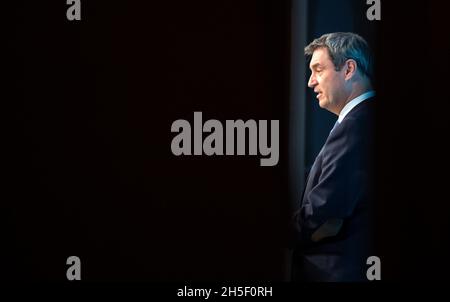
{"points": [[350, 105]]}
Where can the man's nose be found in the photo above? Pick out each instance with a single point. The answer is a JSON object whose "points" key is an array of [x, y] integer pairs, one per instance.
{"points": [[312, 81]]}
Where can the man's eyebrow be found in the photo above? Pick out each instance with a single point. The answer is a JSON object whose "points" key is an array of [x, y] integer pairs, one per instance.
{"points": [[314, 66]]}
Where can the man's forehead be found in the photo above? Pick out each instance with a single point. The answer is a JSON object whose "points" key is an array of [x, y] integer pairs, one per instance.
{"points": [[320, 57]]}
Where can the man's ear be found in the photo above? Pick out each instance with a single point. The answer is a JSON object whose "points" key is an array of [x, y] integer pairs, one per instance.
{"points": [[350, 69]]}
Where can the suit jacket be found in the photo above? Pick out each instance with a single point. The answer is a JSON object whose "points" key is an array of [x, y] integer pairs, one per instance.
{"points": [[339, 188]]}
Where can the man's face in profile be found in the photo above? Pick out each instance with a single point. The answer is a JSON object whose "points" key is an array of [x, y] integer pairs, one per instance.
{"points": [[326, 81]]}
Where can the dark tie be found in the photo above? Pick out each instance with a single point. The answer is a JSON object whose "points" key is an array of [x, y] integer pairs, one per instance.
{"points": [[315, 161]]}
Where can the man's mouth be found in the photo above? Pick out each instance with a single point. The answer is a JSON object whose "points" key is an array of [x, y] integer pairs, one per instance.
{"points": [[318, 95]]}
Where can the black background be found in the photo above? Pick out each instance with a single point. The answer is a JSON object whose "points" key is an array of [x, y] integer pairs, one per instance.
{"points": [[89, 167], [94, 175], [413, 127]]}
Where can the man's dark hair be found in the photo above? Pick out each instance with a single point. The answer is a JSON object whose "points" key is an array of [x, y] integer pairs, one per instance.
{"points": [[343, 46]]}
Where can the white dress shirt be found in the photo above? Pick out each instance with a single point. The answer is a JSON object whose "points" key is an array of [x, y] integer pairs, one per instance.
{"points": [[350, 105]]}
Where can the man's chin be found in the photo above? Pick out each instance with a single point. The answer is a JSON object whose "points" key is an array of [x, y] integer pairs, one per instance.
{"points": [[323, 104], [326, 106]]}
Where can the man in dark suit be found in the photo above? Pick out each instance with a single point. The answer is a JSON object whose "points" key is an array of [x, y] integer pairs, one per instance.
{"points": [[333, 228]]}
